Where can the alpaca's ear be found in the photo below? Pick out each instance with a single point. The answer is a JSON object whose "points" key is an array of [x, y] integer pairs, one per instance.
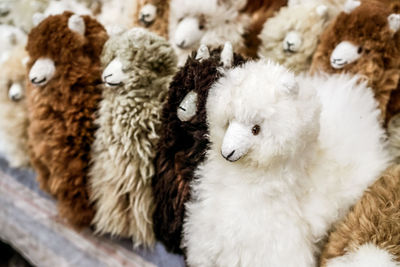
{"points": [[76, 24], [202, 53], [322, 10], [227, 55], [350, 5], [37, 18], [289, 85], [394, 22]]}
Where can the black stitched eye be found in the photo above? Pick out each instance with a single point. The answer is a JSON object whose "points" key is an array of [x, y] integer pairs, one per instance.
{"points": [[360, 49], [201, 27], [256, 129]]}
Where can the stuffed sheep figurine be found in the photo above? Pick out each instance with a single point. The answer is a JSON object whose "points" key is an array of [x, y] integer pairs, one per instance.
{"points": [[292, 35], [214, 22], [14, 115], [370, 233], [365, 40], [153, 15], [288, 157], [138, 67], [183, 141], [63, 96]]}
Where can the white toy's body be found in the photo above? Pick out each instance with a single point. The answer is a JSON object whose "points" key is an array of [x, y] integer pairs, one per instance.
{"points": [[117, 13], [288, 157]]}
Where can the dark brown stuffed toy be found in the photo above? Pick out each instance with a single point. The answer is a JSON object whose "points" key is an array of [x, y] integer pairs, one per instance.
{"points": [[365, 40], [183, 141], [63, 95]]}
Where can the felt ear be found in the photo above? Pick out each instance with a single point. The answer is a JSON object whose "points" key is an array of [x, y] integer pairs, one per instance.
{"points": [[394, 22], [37, 18], [289, 85], [227, 55], [350, 5], [322, 10], [202, 53], [76, 24]]}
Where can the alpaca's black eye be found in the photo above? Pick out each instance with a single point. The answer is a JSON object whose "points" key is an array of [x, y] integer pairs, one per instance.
{"points": [[201, 27], [360, 49], [256, 129]]}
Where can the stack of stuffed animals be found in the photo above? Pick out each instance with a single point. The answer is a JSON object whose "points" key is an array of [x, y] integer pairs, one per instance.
{"points": [[236, 132]]}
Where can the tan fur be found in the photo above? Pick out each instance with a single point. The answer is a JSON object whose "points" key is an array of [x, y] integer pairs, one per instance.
{"points": [[13, 114], [374, 219], [160, 25]]}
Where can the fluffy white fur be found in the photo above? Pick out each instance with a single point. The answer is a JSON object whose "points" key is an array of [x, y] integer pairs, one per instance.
{"points": [[319, 146], [367, 255], [209, 22], [291, 36], [10, 37], [117, 13], [14, 115]]}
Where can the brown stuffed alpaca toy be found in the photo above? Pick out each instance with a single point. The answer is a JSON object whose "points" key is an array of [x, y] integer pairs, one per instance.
{"points": [[365, 39], [370, 234], [64, 71], [153, 15], [183, 142]]}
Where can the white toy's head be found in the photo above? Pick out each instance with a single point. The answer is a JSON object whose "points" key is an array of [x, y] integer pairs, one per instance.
{"points": [[135, 58], [291, 36], [208, 22], [258, 115], [148, 14]]}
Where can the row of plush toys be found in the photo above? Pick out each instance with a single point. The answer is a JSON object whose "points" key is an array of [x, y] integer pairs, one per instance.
{"points": [[185, 136]]}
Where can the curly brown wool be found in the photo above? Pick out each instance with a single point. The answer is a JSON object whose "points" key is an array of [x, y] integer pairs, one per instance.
{"points": [[62, 112], [182, 146], [374, 219], [367, 26]]}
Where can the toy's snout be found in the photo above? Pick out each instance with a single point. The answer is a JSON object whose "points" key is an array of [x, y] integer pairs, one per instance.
{"points": [[188, 33], [42, 71], [292, 42], [345, 53], [148, 14], [113, 74], [236, 142], [16, 92]]}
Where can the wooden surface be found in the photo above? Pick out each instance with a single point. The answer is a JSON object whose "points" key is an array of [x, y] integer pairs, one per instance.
{"points": [[29, 222]]}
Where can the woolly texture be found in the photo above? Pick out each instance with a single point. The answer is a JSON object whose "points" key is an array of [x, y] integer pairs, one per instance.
{"points": [[160, 23], [117, 13], [14, 115], [10, 37], [366, 27], [129, 127], [277, 139], [393, 130], [213, 23], [374, 220], [292, 22], [61, 112], [182, 146]]}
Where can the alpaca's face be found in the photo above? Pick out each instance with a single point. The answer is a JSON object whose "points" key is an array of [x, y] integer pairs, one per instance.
{"points": [[189, 32], [114, 74], [42, 71], [147, 14], [254, 114], [16, 92]]}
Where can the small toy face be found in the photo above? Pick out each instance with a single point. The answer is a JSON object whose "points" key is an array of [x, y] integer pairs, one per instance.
{"points": [[42, 71], [16, 92], [292, 42], [188, 107], [251, 127], [345, 53], [148, 14], [114, 75], [189, 32]]}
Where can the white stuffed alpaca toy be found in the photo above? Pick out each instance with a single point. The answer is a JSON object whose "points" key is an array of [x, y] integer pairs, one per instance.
{"points": [[13, 109], [138, 67], [288, 157], [291, 36], [208, 22]]}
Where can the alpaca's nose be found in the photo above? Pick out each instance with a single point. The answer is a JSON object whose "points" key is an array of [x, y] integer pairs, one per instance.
{"points": [[229, 156], [181, 45]]}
